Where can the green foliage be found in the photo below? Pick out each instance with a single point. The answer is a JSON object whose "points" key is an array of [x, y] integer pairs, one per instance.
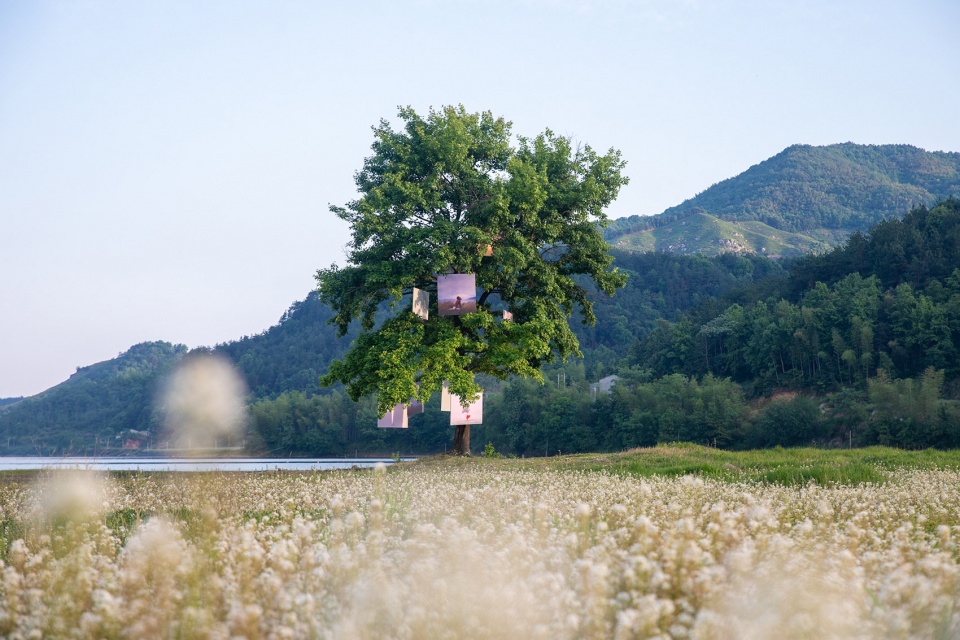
{"points": [[786, 422], [527, 419], [834, 337], [432, 196], [841, 329], [912, 413], [291, 355], [922, 247], [489, 451]]}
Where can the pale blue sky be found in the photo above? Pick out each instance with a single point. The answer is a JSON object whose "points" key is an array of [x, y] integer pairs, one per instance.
{"points": [[165, 167]]}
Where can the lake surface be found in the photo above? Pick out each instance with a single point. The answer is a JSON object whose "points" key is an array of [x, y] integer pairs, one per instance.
{"points": [[190, 464]]}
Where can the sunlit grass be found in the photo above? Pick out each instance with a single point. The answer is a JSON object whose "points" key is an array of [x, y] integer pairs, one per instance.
{"points": [[778, 465]]}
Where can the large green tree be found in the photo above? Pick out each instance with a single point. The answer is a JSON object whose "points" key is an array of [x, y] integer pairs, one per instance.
{"points": [[433, 196]]}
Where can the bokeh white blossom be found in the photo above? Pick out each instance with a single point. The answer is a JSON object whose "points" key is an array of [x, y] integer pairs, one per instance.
{"points": [[202, 402], [483, 552]]}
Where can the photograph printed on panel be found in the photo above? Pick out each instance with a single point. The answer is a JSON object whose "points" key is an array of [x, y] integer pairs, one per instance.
{"points": [[456, 294], [470, 414], [421, 303]]}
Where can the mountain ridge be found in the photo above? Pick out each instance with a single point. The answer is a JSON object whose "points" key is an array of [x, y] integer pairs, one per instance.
{"points": [[813, 196]]}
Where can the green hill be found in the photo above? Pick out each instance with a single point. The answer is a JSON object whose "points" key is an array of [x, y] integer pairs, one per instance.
{"points": [[803, 199], [89, 412], [699, 233]]}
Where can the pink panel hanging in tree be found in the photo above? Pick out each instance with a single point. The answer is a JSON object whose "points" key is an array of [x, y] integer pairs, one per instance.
{"points": [[396, 418], [456, 294], [470, 414]]}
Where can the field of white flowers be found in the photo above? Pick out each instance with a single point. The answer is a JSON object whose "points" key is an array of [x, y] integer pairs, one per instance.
{"points": [[476, 552]]}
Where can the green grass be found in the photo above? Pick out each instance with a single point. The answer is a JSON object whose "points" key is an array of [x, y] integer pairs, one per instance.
{"points": [[708, 235], [779, 466]]}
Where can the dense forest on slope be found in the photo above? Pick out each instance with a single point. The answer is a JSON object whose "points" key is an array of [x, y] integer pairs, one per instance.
{"points": [[878, 316], [804, 198], [888, 299], [291, 355]]}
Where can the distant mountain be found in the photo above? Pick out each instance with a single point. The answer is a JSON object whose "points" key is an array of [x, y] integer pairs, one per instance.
{"points": [[803, 199], [8, 401], [88, 412]]}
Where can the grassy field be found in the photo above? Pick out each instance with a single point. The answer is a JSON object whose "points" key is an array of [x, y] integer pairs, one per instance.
{"points": [[676, 541], [778, 466]]}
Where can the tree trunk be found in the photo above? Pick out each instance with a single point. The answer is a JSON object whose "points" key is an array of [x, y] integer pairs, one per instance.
{"points": [[461, 440]]}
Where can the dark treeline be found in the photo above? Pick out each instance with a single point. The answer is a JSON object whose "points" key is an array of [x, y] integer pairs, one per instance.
{"points": [[888, 300], [524, 418]]}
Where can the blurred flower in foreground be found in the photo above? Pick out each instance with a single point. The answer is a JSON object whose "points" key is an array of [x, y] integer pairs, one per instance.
{"points": [[202, 402], [71, 495]]}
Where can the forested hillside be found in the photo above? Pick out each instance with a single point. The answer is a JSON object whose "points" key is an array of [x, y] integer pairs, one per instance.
{"points": [[100, 406], [291, 355], [92, 410], [804, 198], [888, 299]]}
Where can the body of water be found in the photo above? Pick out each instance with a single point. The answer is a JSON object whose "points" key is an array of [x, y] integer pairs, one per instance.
{"points": [[190, 464]]}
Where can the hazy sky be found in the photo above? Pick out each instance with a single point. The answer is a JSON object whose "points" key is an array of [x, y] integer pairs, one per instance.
{"points": [[166, 167]]}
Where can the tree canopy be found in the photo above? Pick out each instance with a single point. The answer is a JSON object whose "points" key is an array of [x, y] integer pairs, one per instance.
{"points": [[433, 196]]}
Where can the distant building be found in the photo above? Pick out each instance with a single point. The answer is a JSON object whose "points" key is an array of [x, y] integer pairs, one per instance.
{"points": [[603, 385]]}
